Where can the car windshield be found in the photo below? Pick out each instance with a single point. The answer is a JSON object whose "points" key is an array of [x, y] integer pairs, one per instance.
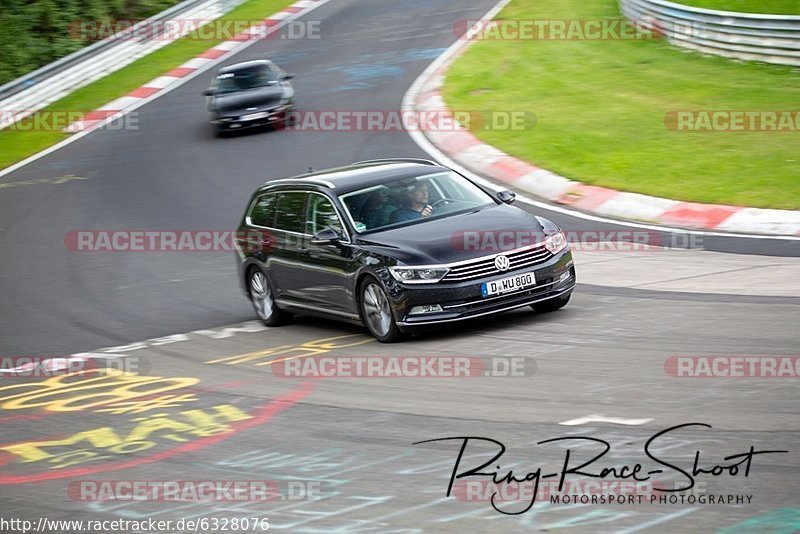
{"points": [[245, 79], [409, 200]]}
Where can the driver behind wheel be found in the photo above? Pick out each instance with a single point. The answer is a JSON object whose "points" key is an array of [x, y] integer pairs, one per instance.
{"points": [[417, 205]]}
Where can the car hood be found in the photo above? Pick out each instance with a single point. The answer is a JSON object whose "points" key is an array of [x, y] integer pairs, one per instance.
{"points": [[262, 98], [490, 230]]}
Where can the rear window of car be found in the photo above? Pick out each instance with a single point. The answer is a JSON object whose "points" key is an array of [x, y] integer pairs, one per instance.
{"points": [[263, 212], [290, 212]]}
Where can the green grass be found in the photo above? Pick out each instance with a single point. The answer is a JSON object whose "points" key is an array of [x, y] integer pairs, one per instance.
{"points": [[778, 7], [16, 145], [601, 108]]}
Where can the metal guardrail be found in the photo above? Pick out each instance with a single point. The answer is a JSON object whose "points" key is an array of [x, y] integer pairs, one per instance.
{"points": [[750, 37], [37, 89]]}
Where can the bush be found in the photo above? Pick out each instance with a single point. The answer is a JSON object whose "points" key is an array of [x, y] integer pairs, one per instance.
{"points": [[35, 33]]}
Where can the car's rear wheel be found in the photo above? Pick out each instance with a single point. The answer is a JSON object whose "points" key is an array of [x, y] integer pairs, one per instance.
{"points": [[377, 313], [261, 296], [551, 305]]}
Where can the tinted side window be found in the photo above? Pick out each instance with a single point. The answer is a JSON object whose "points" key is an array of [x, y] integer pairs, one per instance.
{"points": [[290, 212], [263, 213]]}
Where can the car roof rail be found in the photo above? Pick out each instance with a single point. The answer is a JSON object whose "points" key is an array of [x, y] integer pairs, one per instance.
{"points": [[301, 180], [397, 160]]}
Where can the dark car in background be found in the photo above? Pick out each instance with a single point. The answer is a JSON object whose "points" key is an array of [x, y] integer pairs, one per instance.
{"points": [[396, 245], [248, 95]]}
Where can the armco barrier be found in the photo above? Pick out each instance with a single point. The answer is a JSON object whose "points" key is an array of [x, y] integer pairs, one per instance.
{"points": [[745, 36], [36, 90]]}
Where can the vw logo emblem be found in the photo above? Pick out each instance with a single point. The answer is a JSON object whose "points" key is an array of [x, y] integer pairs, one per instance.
{"points": [[502, 263]]}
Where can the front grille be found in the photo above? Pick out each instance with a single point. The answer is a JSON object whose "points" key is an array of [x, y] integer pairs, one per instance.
{"points": [[485, 266]]}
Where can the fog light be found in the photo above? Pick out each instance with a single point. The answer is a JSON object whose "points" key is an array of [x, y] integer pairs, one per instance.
{"points": [[428, 308], [564, 276]]}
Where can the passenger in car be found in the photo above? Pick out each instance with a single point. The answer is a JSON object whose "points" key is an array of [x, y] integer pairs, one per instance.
{"points": [[376, 211]]}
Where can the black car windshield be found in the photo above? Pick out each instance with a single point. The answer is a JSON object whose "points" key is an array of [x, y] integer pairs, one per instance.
{"points": [[245, 79], [409, 200]]}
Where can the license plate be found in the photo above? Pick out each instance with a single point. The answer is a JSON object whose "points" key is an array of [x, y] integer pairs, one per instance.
{"points": [[506, 285], [255, 116]]}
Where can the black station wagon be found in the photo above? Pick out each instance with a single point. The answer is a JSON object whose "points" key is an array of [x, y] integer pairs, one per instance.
{"points": [[396, 245]]}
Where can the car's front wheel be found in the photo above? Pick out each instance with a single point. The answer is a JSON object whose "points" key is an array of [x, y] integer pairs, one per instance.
{"points": [[551, 305], [263, 301], [377, 313]]}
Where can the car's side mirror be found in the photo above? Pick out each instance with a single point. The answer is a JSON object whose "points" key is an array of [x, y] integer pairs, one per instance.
{"points": [[506, 196], [287, 76], [327, 236], [208, 92]]}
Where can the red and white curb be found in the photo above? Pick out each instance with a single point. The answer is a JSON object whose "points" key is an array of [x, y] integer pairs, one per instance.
{"points": [[462, 147], [176, 76]]}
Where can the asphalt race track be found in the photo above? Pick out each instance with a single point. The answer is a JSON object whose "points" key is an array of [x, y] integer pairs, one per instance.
{"points": [[229, 415]]}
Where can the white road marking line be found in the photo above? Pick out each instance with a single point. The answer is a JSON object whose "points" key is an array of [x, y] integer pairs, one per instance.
{"points": [[223, 332], [604, 419]]}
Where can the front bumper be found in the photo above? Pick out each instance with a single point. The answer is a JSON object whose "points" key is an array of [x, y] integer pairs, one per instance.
{"points": [[462, 301], [256, 119]]}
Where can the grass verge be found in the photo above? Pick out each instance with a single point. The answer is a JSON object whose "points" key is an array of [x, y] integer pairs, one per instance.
{"points": [[16, 145], [601, 108]]}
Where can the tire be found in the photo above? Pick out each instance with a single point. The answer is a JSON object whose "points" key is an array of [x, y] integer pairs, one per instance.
{"points": [[551, 305], [260, 291], [377, 313]]}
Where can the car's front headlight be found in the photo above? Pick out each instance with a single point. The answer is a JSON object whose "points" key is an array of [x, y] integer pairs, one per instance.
{"points": [[221, 116], [418, 275], [556, 243]]}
